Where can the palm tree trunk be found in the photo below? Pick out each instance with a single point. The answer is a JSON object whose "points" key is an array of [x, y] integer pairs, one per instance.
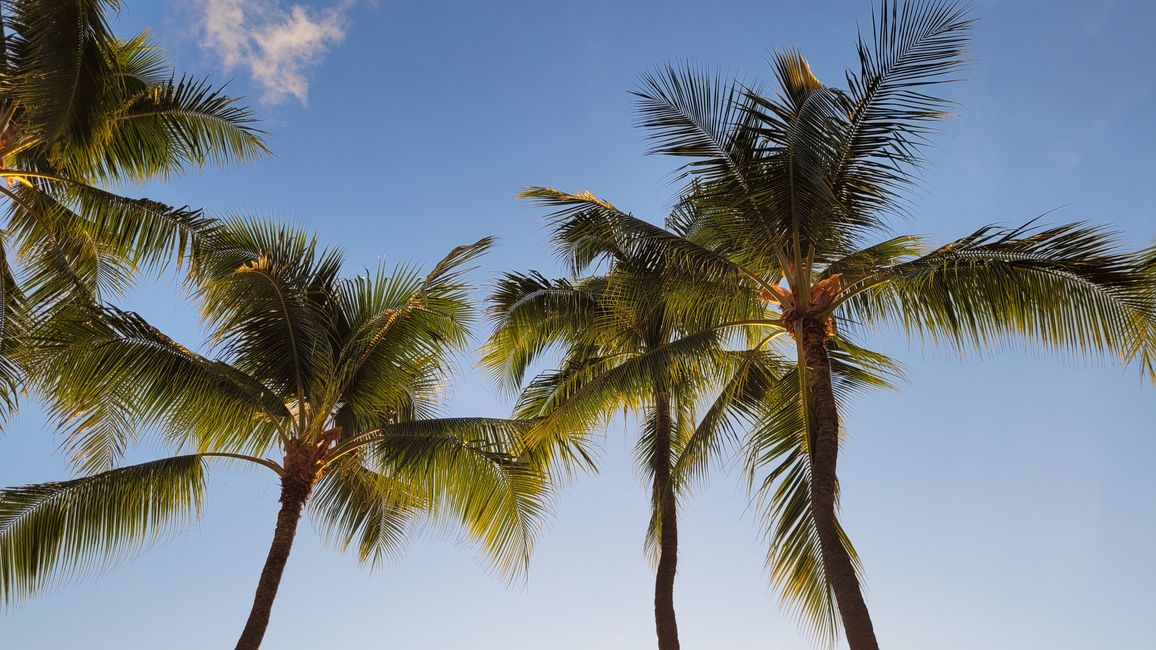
{"points": [[295, 491], [664, 618], [824, 432]]}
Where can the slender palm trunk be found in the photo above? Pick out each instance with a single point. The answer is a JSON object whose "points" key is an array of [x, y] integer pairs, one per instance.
{"points": [[295, 489], [824, 433], [664, 618]]}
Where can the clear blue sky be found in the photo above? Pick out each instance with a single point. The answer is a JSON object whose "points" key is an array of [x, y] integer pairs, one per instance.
{"points": [[1003, 503]]}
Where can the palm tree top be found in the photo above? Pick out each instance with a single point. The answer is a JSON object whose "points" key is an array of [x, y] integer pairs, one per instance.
{"points": [[328, 381]]}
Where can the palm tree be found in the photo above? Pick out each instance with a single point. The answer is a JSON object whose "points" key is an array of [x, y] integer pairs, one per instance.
{"points": [[329, 383], [787, 194], [648, 332], [82, 111], [623, 347], [601, 336]]}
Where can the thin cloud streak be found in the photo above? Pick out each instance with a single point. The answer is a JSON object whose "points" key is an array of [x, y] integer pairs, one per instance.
{"points": [[278, 46]]}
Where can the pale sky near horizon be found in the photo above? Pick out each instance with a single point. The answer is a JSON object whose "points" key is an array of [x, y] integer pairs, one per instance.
{"points": [[1002, 503]]}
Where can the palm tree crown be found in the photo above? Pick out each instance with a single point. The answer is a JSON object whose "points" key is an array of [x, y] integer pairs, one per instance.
{"points": [[330, 383], [616, 355], [81, 111]]}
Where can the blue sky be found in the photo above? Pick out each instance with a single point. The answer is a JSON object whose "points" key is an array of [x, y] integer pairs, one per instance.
{"points": [[1002, 502]]}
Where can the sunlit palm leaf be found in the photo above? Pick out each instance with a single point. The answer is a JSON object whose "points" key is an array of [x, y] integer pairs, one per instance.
{"points": [[50, 530], [356, 506], [109, 374], [475, 476]]}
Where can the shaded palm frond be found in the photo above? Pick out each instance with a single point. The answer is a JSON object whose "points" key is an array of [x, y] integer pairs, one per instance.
{"points": [[267, 294], [913, 46], [62, 71]]}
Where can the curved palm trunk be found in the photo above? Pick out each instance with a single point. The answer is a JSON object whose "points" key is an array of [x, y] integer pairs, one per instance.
{"points": [[664, 618], [824, 425], [295, 490]]}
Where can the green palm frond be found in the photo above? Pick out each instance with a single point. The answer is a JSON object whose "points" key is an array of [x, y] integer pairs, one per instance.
{"points": [[61, 66], [750, 377], [778, 465], [693, 113], [584, 402], [401, 330], [103, 109], [356, 506], [167, 126], [1146, 340], [78, 240], [1065, 288], [587, 229], [530, 313], [14, 324], [868, 260], [913, 46], [50, 530], [108, 374], [476, 476], [267, 292], [58, 257]]}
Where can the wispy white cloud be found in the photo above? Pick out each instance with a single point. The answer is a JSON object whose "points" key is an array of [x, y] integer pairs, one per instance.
{"points": [[277, 45]]}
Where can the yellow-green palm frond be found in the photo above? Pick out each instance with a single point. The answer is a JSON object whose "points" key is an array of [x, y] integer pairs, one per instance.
{"points": [[108, 374], [476, 475], [50, 530], [355, 506], [398, 331]]}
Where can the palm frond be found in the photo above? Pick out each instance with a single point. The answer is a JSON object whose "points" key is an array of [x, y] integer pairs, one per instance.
{"points": [[109, 374], [1065, 288], [267, 295], [356, 506], [585, 400], [51, 530], [401, 328], [778, 464], [477, 474], [692, 113], [913, 46], [530, 313], [748, 380], [63, 75], [588, 229], [14, 324], [164, 127]]}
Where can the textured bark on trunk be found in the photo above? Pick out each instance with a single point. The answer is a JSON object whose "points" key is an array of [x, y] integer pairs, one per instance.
{"points": [[824, 456], [295, 489], [664, 618]]}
